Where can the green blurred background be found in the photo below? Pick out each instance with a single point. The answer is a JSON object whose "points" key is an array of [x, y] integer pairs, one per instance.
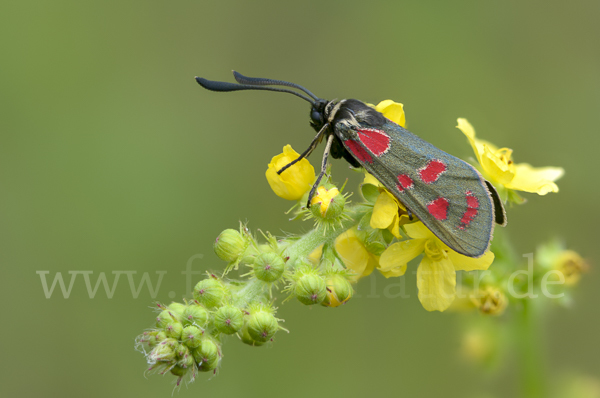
{"points": [[113, 159]]}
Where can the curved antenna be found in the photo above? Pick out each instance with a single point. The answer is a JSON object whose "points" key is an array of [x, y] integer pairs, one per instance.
{"points": [[224, 87], [259, 81]]}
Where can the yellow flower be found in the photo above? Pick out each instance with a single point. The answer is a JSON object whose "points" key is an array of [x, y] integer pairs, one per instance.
{"points": [[388, 212], [436, 275], [500, 170], [354, 254], [324, 197], [490, 301], [327, 204], [393, 111], [571, 265], [294, 182]]}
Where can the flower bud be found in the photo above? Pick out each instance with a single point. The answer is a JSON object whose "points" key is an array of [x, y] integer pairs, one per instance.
{"points": [[247, 339], [195, 314], [339, 291], [327, 204], [262, 324], [207, 355], [164, 352], [571, 265], [310, 287], [179, 371], [181, 351], [186, 361], [176, 310], [268, 267], [228, 319], [230, 244], [210, 292], [482, 343], [161, 336], [490, 301], [148, 338], [165, 318], [208, 365], [173, 330], [191, 336], [297, 179]]}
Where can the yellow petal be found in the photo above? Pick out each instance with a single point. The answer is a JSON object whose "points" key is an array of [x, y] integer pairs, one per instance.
{"points": [[369, 179], [294, 182], [436, 281], [384, 211], [371, 265], [537, 180], [400, 253], [464, 263], [398, 271], [469, 131], [418, 230], [316, 254], [352, 252], [394, 227], [496, 168], [393, 111], [324, 197]]}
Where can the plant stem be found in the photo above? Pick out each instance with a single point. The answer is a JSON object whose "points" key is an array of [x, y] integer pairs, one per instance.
{"points": [[529, 350], [317, 237]]}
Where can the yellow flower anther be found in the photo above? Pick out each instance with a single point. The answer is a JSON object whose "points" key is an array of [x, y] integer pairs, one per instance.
{"points": [[433, 251], [295, 181]]}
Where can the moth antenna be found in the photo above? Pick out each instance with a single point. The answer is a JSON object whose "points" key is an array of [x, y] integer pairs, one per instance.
{"points": [[259, 81], [224, 87]]}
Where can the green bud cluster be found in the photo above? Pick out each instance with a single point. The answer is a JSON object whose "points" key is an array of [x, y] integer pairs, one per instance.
{"points": [[187, 337]]}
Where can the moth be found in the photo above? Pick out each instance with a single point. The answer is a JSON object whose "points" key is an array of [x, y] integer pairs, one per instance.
{"points": [[446, 193]]}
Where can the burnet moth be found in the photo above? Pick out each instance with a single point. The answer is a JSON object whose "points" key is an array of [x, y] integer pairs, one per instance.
{"points": [[447, 194]]}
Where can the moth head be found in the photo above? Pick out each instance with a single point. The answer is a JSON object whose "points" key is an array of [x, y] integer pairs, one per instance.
{"points": [[317, 114]]}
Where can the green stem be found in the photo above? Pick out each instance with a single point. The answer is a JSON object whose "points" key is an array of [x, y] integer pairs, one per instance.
{"points": [[529, 350], [317, 237], [253, 289]]}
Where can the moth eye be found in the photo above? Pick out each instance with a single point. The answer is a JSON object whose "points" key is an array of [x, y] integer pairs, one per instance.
{"points": [[316, 117]]}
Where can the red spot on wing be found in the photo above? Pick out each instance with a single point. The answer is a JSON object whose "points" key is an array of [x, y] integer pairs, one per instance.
{"points": [[472, 210], [358, 151], [432, 171], [376, 141], [439, 208], [404, 182]]}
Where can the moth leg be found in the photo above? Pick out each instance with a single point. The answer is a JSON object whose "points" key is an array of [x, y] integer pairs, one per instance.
{"points": [[323, 169], [410, 215], [338, 151], [306, 153]]}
